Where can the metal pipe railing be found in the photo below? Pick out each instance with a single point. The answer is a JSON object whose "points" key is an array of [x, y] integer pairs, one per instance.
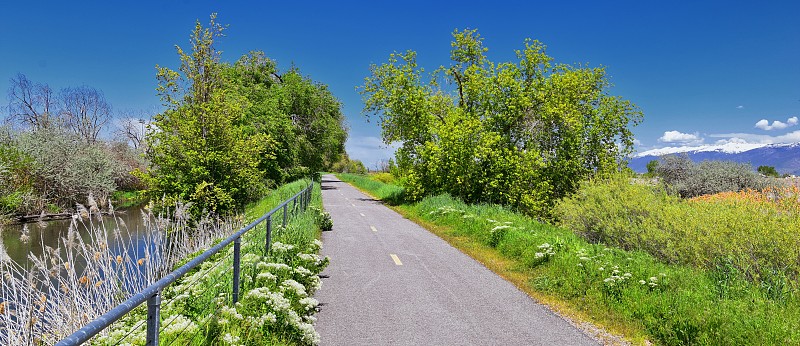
{"points": [[152, 294]]}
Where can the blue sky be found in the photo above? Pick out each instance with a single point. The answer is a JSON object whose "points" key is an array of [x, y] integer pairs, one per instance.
{"points": [[702, 71]]}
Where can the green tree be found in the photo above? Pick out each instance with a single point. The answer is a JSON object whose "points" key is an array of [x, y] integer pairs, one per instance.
{"points": [[198, 148], [768, 171], [523, 134], [652, 166], [301, 115]]}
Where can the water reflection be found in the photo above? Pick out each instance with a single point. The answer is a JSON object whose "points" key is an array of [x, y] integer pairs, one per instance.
{"points": [[49, 233]]}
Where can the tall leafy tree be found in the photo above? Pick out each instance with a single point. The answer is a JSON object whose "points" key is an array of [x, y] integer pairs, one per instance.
{"points": [[198, 149], [302, 116], [523, 133]]}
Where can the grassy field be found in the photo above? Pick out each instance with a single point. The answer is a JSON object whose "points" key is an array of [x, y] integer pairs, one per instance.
{"points": [[628, 292]]}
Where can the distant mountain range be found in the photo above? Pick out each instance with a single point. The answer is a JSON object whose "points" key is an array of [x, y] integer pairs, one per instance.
{"points": [[784, 157]]}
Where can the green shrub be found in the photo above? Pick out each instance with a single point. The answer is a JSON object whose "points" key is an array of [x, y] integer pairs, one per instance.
{"points": [[392, 194], [322, 219], [386, 178], [757, 237], [691, 179]]}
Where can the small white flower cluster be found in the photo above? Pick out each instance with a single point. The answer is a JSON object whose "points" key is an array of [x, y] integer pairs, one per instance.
{"points": [[617, 277], [260, 321], [545, 251], [501, 227], [583, 257], [231, 312], [310, 336], [122, 333], [295, 287], [309, 303], [281, 247], [266, 277], [278, 267], [307, 257], [446, 210], [303, 272], [178, 324], [230, 339], [652, 282]]}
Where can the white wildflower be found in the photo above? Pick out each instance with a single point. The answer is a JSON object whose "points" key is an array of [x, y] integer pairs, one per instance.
{"points": [[230, 339], [310, 335], [281, 247], [267, 276], [278, 267], [309, 303], [178, 324], [303, 272], [307, 257], [291, 285]]}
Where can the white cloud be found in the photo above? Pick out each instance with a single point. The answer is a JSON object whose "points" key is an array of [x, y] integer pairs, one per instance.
{"points": [[370, 150], [739, 107], [776, 125], [637, 142], [791, 137], [681, 138]]}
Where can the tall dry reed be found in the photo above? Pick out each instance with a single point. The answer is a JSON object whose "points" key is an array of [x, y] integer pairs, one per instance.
{"points": [[66, 287]]}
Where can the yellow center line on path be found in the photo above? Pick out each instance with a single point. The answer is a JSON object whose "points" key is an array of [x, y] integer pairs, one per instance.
{"points": [[373, 228], [395, 259]]}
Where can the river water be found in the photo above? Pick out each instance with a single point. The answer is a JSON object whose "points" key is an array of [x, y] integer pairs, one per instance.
{"points": [[49, 233]]}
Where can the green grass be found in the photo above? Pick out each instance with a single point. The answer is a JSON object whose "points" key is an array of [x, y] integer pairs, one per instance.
{"points": [[628, 292], [389, 193], [127, 199]]}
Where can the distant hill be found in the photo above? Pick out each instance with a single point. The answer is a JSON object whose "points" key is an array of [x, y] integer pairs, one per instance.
{"points": [[784, 157]]}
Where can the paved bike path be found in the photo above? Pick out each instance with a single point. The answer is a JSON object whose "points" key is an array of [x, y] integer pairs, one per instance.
{"points": [[391, 282]]}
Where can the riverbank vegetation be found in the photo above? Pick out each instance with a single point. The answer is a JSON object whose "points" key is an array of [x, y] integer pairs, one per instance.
{"points": [[95, 273], [229, 133], [50, 168], [712, 277]]}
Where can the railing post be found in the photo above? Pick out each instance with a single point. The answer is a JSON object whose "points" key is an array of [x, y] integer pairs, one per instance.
{"points": [[284, 215], [153, 318], [269, 235], [309, 194], [294, 207], [237, 249]]}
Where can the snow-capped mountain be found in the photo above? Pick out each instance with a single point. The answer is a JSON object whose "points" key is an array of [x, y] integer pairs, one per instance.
{"points": [[784, 157]]}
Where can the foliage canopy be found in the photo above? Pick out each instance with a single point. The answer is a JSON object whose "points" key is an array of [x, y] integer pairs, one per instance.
{"points": [[520, 133], [232, 130]]}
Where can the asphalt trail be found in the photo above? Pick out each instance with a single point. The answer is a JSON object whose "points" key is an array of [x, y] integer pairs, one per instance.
{"points": [[391, 282]]}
